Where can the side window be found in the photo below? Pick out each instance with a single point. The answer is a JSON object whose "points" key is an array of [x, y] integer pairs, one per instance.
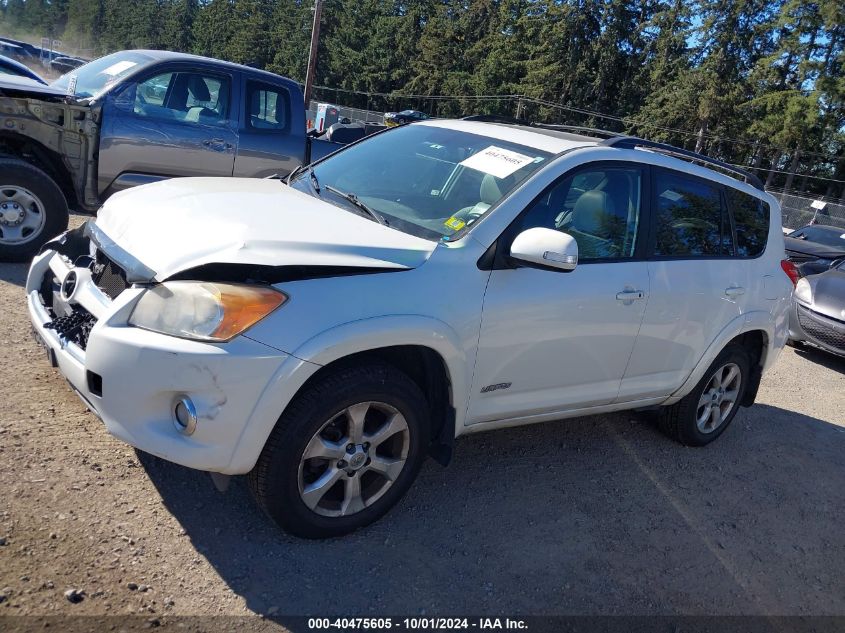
{"points": [[599, 207], [268, 107], [751, 219], [184, 97], [689, 218]]}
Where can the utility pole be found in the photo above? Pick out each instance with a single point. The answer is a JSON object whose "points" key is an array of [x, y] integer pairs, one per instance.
{"points": [[312, 55]]}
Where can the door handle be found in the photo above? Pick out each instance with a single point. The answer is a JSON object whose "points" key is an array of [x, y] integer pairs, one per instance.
{"points": [[217, 144], [734, 291], [630, 295]]}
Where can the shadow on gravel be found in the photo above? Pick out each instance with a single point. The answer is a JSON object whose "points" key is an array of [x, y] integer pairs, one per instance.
{"points": [[598, 515], [823, 358], [14, 273]]}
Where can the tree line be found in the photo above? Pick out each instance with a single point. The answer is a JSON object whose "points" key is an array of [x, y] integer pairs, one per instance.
{"points": [[758, 83]]}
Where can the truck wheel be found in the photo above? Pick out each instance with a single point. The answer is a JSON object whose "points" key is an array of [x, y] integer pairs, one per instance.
{"points": [[343, 452], [703, 414], [32, 210]]}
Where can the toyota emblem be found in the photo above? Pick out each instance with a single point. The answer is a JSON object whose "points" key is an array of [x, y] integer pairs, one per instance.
{"points": [[69, 285]]}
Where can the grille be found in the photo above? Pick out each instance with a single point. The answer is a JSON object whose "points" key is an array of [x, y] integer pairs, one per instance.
{"points": [[818, 331], [108, 276], [74, 327]]}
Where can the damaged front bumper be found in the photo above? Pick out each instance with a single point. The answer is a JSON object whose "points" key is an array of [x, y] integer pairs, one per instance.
{"points": [[133, 378]]}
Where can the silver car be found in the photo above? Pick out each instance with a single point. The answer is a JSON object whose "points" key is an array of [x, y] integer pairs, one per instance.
{"points": [[818, 312]]}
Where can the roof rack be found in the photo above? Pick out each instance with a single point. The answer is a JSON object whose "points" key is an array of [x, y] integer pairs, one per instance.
{"points": [[496, 118], [583, 130], [631, 142]]}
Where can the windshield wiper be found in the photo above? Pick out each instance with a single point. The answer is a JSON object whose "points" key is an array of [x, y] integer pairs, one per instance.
{"points": [[314, 182], [294, 174], [351, 197]]}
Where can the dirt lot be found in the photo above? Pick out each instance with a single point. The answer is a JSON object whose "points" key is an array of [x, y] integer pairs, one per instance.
{"points": [[600, 515]]}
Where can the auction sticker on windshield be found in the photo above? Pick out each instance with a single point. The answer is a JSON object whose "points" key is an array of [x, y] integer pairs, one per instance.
{"points": [[497, 161], [119, 67]]}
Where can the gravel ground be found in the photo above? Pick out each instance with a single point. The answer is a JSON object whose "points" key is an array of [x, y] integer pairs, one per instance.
{"points": [[600, 515]]}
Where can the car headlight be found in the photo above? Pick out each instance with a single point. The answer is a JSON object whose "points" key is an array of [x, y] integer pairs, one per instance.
{"points": [[203, 310], [803, 292]]}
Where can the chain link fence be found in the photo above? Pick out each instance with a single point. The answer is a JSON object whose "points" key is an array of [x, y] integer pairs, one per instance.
{"points": [[798, 211]]}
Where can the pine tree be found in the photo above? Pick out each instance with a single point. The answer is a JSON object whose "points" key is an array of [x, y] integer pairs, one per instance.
{"points": [[249, 39], [212, 28], [177, 21], [84, 26], [290, 38]]}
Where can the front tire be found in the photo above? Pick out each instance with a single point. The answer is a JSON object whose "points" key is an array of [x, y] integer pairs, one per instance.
{"points": [[343, 453], [703, 414], [32, 210]]}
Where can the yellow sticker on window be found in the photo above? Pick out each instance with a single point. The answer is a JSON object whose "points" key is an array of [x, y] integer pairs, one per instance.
{"points": [[456, 224]]}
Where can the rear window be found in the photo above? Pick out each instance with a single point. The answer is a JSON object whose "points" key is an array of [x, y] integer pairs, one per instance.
{"points": [[268, 107], [751, 219], [690, 222]]}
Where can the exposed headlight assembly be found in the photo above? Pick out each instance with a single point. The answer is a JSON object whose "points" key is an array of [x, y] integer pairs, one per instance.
{"points": [[803, 292], [204, 311]]}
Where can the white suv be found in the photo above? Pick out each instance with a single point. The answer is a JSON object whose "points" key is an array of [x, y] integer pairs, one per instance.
{"points": [[433, 280]]}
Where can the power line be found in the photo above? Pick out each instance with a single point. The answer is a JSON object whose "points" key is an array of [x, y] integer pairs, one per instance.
{"points": [[560, 106], [796, 175], [624, 120], [630, 121]]}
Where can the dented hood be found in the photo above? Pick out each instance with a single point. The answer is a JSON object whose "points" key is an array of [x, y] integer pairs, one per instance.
{"points": [[14, 86], [161, 229]]}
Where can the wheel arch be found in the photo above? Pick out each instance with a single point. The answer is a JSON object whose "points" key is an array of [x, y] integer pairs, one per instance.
{"points": [[38, 155], [756, 332], [427, 368], [425, 348]]}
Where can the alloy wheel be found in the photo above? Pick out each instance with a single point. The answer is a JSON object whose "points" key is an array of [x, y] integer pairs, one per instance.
{"points": [[353, 459], [719, 398]]}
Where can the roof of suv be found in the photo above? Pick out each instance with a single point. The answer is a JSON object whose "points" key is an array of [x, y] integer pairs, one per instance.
{"points": [[553, 141], [561, 138]]}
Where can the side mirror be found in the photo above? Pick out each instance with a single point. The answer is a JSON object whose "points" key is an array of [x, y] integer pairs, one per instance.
{"points": [[122, 97], [547, 248]]}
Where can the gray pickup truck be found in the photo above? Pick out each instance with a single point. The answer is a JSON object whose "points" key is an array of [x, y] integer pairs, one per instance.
{"points": [[131, 118]]}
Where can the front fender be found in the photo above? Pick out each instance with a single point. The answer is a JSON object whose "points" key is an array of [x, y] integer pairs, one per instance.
{"points": [[748, 322], [387, 331], [339, 342]]}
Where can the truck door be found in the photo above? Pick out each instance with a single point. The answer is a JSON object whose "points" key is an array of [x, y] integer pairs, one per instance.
{"points": [[176, 121], [272, 130]]}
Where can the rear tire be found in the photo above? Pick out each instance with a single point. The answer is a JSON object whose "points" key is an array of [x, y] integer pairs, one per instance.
{"points": [[311, 482], [32, 210], [703, 414]]}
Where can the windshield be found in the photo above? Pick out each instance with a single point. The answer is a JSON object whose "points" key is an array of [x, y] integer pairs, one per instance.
{"points": [[425, 180], [92, 78], [820, 235]]}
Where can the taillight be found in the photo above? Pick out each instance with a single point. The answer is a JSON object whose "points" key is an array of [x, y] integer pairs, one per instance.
{"points": [[790, 270]]}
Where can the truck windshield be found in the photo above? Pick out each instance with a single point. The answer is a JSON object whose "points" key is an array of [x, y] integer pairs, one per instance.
{"points": [[421, 179], [94, 77]]}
